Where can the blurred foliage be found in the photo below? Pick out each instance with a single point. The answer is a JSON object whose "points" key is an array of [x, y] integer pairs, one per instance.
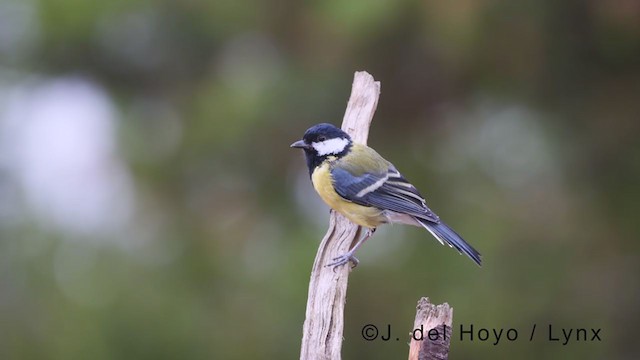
{"points": [[177, 223]]}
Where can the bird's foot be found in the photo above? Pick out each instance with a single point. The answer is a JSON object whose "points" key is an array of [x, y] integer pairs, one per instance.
{"points": [[343, 259]]}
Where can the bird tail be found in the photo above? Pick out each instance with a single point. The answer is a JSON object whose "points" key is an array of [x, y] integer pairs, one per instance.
{"points": [[445, 234]]}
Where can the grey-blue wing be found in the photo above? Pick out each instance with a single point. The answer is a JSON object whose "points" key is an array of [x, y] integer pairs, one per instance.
{"points": [[387, 191], [391, 191]]}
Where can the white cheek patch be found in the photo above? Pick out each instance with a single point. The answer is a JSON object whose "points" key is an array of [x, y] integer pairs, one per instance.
{"points": [[331, 146]]}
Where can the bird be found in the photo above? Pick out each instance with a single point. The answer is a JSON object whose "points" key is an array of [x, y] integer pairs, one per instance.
{"points": [[356, 181]]}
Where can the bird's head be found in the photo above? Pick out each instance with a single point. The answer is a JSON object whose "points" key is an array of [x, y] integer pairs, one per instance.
{"points": [[324, 140], [321, 141]]}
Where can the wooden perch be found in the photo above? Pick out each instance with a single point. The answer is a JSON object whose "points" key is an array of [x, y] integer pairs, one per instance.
{"points": [[324, 322], [438, 318]]}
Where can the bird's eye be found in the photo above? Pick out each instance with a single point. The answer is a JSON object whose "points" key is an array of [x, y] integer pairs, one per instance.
{"points": [[322, 138]]}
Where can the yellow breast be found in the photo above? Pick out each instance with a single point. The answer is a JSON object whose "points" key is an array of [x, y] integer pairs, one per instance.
{"points": [[362, 215]]}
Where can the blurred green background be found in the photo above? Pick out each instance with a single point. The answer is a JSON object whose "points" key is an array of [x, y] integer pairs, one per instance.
{"points": [[150, 206]]}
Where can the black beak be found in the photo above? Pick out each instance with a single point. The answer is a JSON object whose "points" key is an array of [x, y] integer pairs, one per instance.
{"points": [[300, 144]]}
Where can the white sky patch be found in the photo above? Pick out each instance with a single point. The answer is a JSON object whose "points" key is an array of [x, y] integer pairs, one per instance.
{"points": [[331, 146], [59, 138]]}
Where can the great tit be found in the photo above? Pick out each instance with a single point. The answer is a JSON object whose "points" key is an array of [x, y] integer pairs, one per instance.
{"points": [[356, 181]]}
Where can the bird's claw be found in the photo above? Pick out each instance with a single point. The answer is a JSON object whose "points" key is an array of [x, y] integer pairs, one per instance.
{"points": [[343, 259]]}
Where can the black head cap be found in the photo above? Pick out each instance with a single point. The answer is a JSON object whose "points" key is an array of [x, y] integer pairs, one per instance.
{"points": [[322, 132]]}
